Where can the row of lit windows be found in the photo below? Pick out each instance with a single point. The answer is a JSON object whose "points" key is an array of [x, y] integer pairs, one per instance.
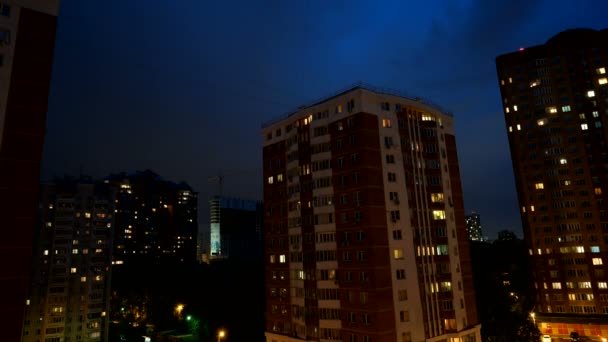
{"points": [[576, 285]]}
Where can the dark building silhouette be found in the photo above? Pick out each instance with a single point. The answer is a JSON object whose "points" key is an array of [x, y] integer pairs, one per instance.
{"points": [[236, 228], [70, 291], [27, 40], [555, 100], [155, 218], [473, 223], [364, 230]]}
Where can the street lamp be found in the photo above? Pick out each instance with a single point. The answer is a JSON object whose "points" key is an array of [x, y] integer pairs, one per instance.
{"points": [[220, 335]]}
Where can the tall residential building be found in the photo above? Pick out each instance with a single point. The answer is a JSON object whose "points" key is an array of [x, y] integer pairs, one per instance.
{"points": [[235, 227], [473, 223], [364, 229], [70, 292], [27, 40], [555, 99], [155, 218]]}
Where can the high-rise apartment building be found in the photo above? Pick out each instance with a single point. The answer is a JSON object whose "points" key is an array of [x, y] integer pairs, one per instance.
{"points": [[235, 228], [364, 229], [473, 223], [70, 292], [555, 100], [27, 40], [155, 218]]}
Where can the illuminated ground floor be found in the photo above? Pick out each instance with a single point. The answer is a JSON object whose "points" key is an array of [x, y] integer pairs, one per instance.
{"points": [[559, 327]]}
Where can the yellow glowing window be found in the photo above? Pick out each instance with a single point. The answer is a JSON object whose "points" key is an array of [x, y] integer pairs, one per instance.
{"points": [[438, 214], [602, 81], [590, 93], [398, 253], [515, 108], [539, 186], [557, 286], [280, 177], [73, 270], [87, 215], [518, 127], [584, 127], [426, 117], [507, 110], [532, 209], [510, 129], [601, 70], [83, 279], [282, 258], [386, 123], [541, 122], [563, 161], [551, 110], [602, 285], [598, 191], [597, 261], [437, 198], [270, 180], [534, 83]]}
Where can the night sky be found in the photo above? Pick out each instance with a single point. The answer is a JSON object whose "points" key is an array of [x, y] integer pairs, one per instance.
{"points": [[182, 86]]}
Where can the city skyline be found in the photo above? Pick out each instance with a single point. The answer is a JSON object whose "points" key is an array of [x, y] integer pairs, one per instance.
{"points": [[200, 78]]}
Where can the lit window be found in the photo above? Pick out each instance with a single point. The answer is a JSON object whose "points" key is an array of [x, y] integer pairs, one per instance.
{"points": [[540, 251], [601, 70], [280, 177], [74, 251], [596, 114], [523, 210], [598, 124], [282, 258], [83, 279], [551, 110], [563, 161], [510, 129], [584, 127], [386, 123], [398, 253], [602, 81], [590, 93], [437, 198], [73, 270], [515, 108], [438, 215], [566, 109], [532, 210], [595, 249], [98, 278], [541, 122], [510, 80], [581, 116], [46, 251], [518, 127], [598, 191], [539, 186], [272, 259], [270, 180], [557, 286], [507, 110], [426, 117], [567, 182], [597, 261], [578, 249], [602, 285], [502, 82], [534, 83]]}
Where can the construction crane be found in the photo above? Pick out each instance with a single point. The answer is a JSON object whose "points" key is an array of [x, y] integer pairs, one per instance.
{"points": [[220, 179]]}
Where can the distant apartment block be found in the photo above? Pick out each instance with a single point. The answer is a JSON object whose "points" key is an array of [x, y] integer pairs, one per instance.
{"points": [[27, 40], [70, 293], [364, 229], [155, 218], [235, 228], [473, 223], [555, 104]]}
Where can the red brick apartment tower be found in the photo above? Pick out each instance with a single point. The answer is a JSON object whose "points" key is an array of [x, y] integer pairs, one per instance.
{"points": [[364, 223], [555, 99], [27, 38]]}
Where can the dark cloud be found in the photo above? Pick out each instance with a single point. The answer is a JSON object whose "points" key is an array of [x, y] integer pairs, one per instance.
{"points": [[182, 86]]}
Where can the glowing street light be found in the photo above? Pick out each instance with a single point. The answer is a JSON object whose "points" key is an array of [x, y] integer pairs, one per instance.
{"points": [[220, 335], [188, 318], [178, 309]]}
